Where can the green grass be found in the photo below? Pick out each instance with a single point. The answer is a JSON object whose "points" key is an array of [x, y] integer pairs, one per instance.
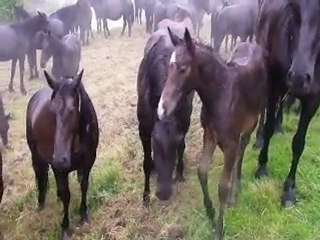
{"points": [[116, 182]]}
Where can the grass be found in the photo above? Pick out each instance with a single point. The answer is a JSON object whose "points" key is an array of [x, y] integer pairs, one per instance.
{"points": [[116, 182]]}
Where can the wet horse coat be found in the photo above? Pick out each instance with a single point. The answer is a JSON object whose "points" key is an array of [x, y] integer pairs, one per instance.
{"points": [[62, 130]]}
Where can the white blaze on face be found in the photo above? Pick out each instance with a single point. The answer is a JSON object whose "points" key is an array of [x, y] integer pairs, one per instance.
{"points": [[160, 109], [173, 57]]}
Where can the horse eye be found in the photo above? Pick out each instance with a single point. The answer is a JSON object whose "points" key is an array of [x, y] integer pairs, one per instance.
{"points": [[183, 69]]}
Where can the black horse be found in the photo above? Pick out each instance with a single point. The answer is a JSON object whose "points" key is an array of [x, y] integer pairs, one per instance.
{"points": [[15, 43], [293, 66], [167, 136], [55, 26], [62, 130]]}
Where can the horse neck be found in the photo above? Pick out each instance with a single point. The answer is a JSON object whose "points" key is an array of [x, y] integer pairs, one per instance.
{"points": [[29, 27], [211, 77]]}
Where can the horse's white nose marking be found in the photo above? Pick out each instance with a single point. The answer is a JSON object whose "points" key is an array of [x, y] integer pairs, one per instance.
{"points": [[160, 109], [173, 57]]}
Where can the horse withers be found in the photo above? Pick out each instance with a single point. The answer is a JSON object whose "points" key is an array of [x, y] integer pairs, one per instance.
{"points": [[165, 139], [66, 54], [62, 131], [15, 44], [233, 95]]}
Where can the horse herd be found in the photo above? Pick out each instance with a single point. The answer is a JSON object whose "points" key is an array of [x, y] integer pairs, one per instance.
{"points": [[61, 123]]}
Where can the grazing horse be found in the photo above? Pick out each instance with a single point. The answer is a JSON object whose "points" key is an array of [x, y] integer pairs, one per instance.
{"points": [[4, 123], [62, 130], [54, 25], [166, 139], [293, 66], [66, 54], [230, 107], [15, 43], [84, 21]]}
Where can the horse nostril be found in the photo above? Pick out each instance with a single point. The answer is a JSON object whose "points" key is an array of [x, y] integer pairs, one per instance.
{"points": [[307, 78]]}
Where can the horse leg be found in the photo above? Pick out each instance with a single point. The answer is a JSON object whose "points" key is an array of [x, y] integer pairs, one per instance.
{"points": [[148, 165], [209, 145], [30, 63], [140, 17], [226, 46], [237, 171], [279, 118], [259, 136], [268, 132], [230, 149], [124, 24], [107, 27], [13, 71], [40, 168], [21, 66], [308, 109], [180, 166], [84, 182], [64, 195], [35, 63]]}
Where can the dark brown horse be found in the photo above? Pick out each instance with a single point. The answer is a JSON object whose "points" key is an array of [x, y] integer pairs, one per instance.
{"points": [[293, 67], [168, 136], [230, 107], [62, 130]]}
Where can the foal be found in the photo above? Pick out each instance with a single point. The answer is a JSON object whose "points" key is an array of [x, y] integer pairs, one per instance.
{"points": [[232, 94]]}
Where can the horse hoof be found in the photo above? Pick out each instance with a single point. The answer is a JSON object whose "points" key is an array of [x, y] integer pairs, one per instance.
{"points": [[179, 178], [23, 91], [288, 199], [40, 208], [261, 172], [11, 89], [146, 199], [66, 235]]}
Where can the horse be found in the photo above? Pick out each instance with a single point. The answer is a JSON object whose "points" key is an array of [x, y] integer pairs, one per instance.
{"points": [[163, 138], [54, 25], [62, 131], [178, 26], [66, 54], [15, 43], [293, 68], [148, 7], [84, 21], [4, 124], [237, 20], [138, 8], [230, 108], [114, 10]]}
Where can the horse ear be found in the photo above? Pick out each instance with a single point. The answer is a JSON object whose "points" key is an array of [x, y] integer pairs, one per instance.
{"points": [[52, 84], [42, 14], [189, 42], [78, 79], [9, 116], [174, 38]]}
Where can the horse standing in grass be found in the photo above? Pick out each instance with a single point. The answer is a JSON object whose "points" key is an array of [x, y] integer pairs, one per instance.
{"points": [[15, 44], [62, 130], [230, 107]]}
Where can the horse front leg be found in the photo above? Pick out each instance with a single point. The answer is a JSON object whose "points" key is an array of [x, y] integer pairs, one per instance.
{"points": [[308, 109], [13, 71], [209, 145], [64, 195], [180, 166], [84, 183], [124, 24], [21, 67], [230, 150]]}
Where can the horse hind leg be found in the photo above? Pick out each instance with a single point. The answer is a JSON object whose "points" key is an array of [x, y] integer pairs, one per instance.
{"points": [[21, 66], [209, 145], [13, 71]]}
